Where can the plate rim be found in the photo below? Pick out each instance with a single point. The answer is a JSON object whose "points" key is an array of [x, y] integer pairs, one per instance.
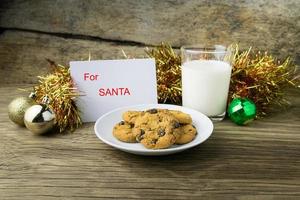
{"points": [[169, 150]]}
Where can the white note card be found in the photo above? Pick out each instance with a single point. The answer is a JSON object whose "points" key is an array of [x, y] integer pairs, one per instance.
{"points": [[109, 84]]}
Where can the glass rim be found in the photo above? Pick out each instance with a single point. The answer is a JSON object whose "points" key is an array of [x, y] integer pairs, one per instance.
{"points": [[204, 48]]}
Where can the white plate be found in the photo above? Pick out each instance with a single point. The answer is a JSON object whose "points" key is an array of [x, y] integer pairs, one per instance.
{"points": [[104, 126]]}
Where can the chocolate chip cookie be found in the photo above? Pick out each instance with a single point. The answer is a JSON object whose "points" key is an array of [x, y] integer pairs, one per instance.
{"points": [[155, 129], [123, 131], [186, 134], [158, 140], [183, 118], [131, 116]]}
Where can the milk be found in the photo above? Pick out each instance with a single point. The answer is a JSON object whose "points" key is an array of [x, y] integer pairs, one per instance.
{"points": [[205, 85]]}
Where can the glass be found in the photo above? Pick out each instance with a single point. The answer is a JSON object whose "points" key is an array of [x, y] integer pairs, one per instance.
{"points": [[206, 73]]}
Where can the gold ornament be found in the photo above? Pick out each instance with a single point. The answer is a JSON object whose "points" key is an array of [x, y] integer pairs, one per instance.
{"points": [[17, 108], [39, 119], [168, 73]]}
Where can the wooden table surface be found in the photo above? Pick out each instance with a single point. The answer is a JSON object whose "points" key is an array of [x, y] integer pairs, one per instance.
{"points": [[259, 161]]}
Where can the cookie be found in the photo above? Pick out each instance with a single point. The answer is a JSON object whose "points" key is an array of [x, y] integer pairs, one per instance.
{"points": [[123, 131], [182, 117], [158, 140], [155, 129], [187, 133], [131, 116]]}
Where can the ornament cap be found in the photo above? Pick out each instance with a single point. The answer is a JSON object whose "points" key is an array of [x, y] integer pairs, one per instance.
{"points": [[32, 95], [46, 100]]}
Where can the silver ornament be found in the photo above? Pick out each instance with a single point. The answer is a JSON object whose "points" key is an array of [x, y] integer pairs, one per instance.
{"points": [[17, 108], [39, 119]]}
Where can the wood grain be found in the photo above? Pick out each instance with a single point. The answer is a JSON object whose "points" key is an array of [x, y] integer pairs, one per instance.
{"points": [[259, 161], [23, 55], [264, 24]]}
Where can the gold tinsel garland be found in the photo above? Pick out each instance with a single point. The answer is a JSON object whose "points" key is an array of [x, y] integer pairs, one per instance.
{"points": [[262, 78], [257, 76], [58, 87], [168, 73]]}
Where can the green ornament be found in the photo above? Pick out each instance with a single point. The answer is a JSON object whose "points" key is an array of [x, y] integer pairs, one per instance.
{"points": [[241, 111]]}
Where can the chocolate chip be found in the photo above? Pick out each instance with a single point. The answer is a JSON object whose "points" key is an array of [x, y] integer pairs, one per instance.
{"points": [[140, 136], [131, 125], [153, 141], [121, 123], [161, 132], [176, 125], [152, 111]]}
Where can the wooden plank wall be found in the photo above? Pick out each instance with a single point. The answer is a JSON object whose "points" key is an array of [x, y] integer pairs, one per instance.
{"points": [[65, 30]]}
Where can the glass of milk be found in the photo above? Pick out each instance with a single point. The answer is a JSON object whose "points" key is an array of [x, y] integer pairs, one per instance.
{"points": [[206, 73]]}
